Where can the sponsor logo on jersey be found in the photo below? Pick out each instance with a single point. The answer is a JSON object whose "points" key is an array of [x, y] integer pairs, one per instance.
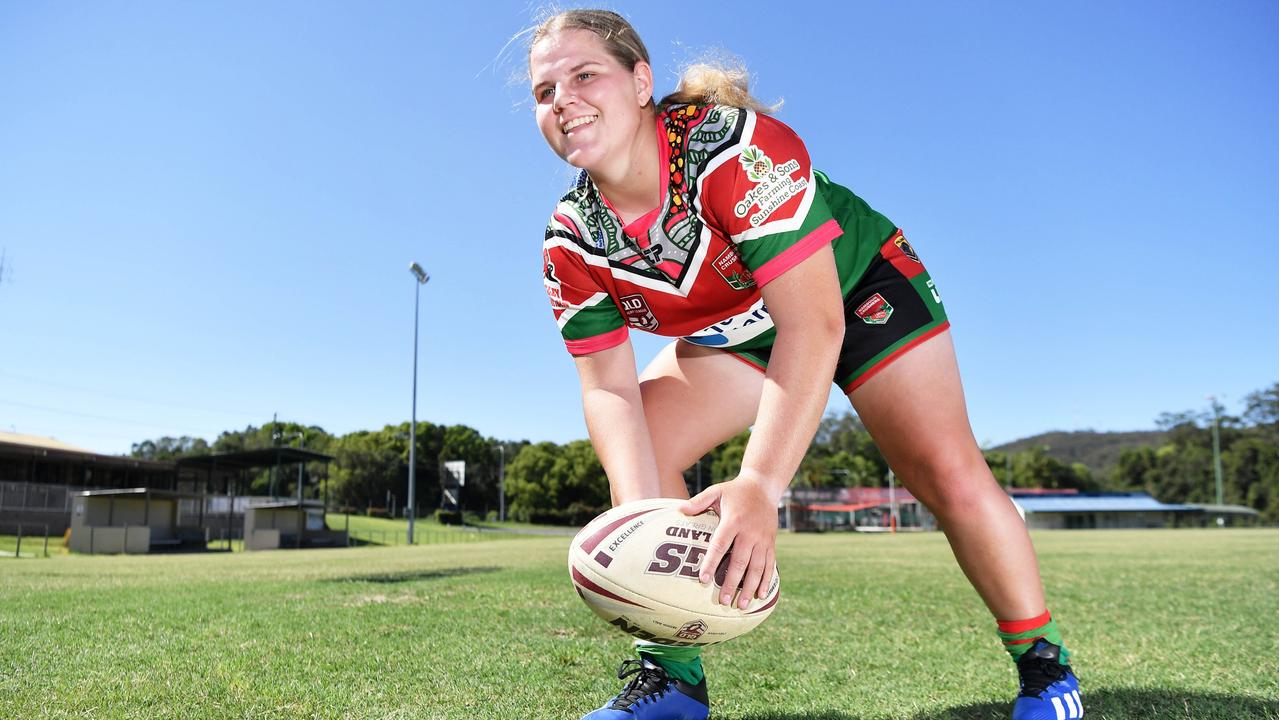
{"points": [[652, 253], [729, 266], [552, 284], [933, 288], [746, 325], [875, 311], [904, 245], [734, 330], [691, 630], [637, 313], [774, 185]]}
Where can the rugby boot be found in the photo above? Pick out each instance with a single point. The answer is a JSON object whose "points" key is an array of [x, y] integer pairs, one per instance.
{"points": [[1049, 690], [651, 694]]}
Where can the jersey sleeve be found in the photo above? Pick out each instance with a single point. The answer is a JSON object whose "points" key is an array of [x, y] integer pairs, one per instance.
{"points": [[588, 319], [765, 198]]}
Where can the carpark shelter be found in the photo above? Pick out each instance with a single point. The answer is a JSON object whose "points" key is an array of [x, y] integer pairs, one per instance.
{"points": [[289, 524], [136, 520]]}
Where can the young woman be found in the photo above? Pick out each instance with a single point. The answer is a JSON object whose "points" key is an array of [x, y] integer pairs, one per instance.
{"points": [[700, 217]]}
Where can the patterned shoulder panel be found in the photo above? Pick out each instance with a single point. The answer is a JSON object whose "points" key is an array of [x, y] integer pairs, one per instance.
{"points": [[695, 135], [664, 259], [580, 218], [704, 132]]}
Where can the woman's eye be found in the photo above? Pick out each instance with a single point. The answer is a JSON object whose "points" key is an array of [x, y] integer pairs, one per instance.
{"points": [[584, 76], [544, 93]]}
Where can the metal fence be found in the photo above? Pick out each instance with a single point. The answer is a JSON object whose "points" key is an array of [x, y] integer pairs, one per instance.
{"points": [[19, 540], [420, 537], [36, 497]]}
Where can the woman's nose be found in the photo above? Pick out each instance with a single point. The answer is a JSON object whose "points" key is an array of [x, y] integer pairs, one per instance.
{"points": [[563, 98]]}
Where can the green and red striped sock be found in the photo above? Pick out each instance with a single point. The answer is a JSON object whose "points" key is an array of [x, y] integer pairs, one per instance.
{"points": [[1020, 635]]}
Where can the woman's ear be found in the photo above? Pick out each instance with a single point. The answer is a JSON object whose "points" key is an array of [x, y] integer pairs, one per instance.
{"points": [[643, 76]]}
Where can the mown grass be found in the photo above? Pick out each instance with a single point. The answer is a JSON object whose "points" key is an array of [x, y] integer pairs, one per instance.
{"points": [[1164, 624]]}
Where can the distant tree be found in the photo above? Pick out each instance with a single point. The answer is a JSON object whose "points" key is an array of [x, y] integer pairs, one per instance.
{"points": [[581, 476], [727, 462], [169, 448], [368, 466], [1251, 469], [460, 442], [1261, 408], [1137, 469], [531, 482], [1035, 468]]}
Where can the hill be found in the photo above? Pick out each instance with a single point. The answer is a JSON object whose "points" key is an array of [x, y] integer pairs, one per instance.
{"points": [[1099, 451]]}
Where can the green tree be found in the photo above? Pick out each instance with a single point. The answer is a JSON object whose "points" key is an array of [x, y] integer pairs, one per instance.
{"points": [[1137, 470], [531, 483], [581, 477], [460, 442], [1251, 467], [170, 448], [368, 466], [1035, 468], [727, 460]]}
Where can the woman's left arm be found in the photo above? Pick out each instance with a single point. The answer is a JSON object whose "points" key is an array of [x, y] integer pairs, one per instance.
{"points": [[807, 308]]}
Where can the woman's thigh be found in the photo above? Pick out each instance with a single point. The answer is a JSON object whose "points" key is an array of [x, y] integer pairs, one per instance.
{"points": [[694, 399], [914, 409]]}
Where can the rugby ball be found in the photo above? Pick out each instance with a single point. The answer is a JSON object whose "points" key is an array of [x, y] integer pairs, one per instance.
{"points": [[637, 566]]}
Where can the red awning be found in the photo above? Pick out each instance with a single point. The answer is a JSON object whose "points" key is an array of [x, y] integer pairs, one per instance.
{"points": [[840, 508]]}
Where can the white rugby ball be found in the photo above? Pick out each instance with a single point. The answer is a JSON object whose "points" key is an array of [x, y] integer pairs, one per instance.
{"points": [[637, 565]]}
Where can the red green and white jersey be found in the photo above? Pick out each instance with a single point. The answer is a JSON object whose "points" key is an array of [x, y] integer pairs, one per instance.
{"points": [[741, 205]]}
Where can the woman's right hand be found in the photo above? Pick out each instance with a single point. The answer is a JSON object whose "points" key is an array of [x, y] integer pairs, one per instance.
{"points": [[746, 537]]}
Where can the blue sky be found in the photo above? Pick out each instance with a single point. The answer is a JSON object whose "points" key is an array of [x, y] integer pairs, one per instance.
{"points": [[207, 210]]}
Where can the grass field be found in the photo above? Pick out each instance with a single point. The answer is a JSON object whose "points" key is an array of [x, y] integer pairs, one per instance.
{"points": [[1164, 624]]}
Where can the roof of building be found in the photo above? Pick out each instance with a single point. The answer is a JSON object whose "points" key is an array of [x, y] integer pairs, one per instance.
{"points": [[840, 507], [288, 505], [17, 445], [1097, 502], [1225, 509], [36, 441], [264, 457], [849, 495], [139, 492]]}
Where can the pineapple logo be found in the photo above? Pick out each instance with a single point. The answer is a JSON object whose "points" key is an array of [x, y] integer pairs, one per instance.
{"points": [[757, 164]]}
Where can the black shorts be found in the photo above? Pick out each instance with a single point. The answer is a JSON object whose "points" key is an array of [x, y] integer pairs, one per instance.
{"points": [[892, 308]]}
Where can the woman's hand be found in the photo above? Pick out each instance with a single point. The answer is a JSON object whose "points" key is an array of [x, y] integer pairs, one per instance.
{"points": [[745, 538]]}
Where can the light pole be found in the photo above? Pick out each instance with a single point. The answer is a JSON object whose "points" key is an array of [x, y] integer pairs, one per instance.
{"points": [[420, 275], [501, 483], [301, 445], [1216, 447]]}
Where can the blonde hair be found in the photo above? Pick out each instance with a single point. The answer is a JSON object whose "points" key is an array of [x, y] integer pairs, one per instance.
{"points": [[721, 81], [618, 36], [717, 80]]}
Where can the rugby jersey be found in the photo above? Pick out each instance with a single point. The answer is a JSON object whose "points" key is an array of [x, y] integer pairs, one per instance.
{"points": [[741, 205]]}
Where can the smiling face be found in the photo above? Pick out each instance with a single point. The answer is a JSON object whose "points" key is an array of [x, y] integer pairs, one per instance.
{"points": [[590, 108]]}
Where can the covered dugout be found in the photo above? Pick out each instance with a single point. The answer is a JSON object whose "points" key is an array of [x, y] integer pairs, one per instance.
{"points": [[136, 520], [234, 471], [288, 524]]}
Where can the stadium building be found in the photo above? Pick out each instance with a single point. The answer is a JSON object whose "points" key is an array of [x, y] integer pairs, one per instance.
{"points": [[113, 503]]}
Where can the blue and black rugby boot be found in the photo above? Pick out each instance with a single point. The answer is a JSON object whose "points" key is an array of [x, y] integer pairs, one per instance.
{"points": [[653, 695], [1049, 690]]}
